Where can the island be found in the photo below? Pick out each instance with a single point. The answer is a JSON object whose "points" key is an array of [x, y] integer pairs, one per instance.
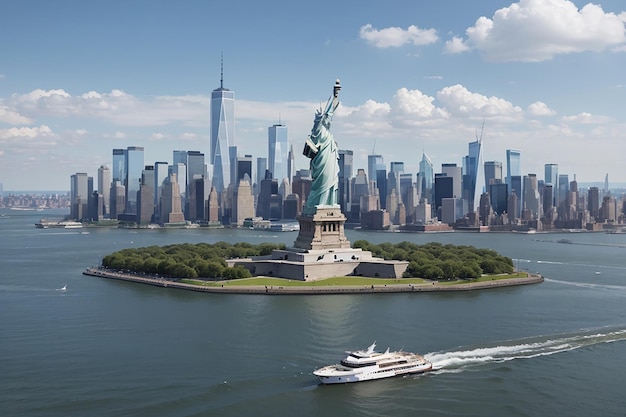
{"points": [[212, 268]]}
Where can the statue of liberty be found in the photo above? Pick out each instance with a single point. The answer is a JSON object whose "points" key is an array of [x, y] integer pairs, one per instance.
{"points": [[321, 147]]}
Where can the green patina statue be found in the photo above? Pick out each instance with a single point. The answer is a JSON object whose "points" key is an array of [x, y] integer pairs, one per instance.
{"points": [[321, 147]]}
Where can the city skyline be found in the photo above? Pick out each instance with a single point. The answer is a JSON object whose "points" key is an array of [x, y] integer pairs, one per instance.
{"points": [[417, 78]]}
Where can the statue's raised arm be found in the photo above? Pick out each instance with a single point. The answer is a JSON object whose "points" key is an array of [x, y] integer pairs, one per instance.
{"points": [[322, 149]]}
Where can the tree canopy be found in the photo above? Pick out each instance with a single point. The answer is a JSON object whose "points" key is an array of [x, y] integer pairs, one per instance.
{"points": [[188, 260], [437, 261], [431, 260]]}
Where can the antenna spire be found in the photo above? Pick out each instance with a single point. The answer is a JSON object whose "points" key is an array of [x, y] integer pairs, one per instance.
{"points": [[222, 69]]}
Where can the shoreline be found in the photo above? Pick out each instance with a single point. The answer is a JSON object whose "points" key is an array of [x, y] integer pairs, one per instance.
{"points": [[311, 290]]}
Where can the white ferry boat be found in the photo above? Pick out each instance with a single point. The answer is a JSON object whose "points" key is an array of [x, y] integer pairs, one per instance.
{"points": [[365, 365]]}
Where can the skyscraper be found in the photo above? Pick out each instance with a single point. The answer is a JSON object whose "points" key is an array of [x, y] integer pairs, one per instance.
{"points": [[134, 168], [81, 188], [160, 175], [513, 167], [104, 188], [278, 151], [470, 174], [374, 163], [551, 177], [222, 133], [119, 165], [426, 175], [493, 173], [346, 158]]}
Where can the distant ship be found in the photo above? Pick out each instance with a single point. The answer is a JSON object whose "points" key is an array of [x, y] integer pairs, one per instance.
{"points": [[365, 365]]}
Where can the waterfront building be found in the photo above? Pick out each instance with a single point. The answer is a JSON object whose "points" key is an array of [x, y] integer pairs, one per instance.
{"points": [[222, 133], [562, 192], [290, 206], [243, 205], [171, 208], [81, 188], [278, 151], [104, 188]]}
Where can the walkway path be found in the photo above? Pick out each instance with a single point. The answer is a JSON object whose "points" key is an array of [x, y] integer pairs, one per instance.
{"points": [[330, 289]]}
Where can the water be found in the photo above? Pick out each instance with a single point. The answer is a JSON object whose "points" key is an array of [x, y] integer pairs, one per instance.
{"points": [[105, 348]]}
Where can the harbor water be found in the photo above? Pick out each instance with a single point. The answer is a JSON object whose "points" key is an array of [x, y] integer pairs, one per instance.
{"points": [[109, 348]]}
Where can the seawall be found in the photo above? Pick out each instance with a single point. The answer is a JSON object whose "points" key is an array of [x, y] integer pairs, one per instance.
{"points": [[311, 290]]}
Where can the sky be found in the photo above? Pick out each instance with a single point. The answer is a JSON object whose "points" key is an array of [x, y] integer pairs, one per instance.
{"points": [[78, 79]]}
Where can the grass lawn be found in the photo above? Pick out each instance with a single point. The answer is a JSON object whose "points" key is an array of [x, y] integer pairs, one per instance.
{"points": [[355, 281]]}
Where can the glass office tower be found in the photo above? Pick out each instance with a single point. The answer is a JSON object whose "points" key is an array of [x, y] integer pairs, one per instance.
{"points": [[278, 151], [222, 134], [551, 177], [134, 169], [119, 165], [427, 175], [513, 167]]}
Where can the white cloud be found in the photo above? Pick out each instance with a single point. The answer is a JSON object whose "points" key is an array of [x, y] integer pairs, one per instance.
{"points": [[586, 118], [456, 45], [396, 37], [412, 107], [12, 117], [116, 107], [25, 132], [460, 102], [537, 30], [539, 108]]}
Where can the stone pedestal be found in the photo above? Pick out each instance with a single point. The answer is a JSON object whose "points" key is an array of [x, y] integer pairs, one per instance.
{"points": [[322, 230]]}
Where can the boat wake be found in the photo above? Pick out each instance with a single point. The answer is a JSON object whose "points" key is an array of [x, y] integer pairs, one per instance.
{"points": [[587, 285], [527, 348]]}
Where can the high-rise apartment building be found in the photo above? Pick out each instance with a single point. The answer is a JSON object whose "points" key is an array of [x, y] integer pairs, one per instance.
{"points": [[278, 151], [222, 134]]}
